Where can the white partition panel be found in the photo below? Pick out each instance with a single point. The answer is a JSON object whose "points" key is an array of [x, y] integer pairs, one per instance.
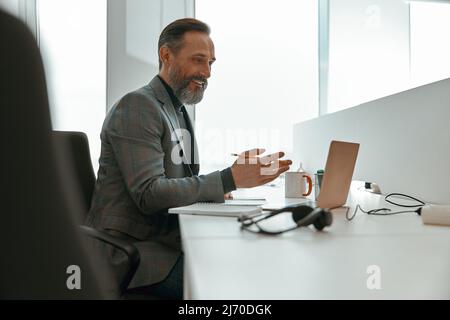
{"points": [[405, 141]]}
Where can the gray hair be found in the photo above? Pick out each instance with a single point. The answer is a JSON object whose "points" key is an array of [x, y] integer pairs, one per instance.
{"points": [[172, 35]]}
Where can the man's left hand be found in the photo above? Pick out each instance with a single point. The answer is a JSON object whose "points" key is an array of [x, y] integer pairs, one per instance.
{"points": [[228, 196]]}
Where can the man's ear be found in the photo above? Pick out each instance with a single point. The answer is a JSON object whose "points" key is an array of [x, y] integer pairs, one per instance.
{"points": [[165, 55]]}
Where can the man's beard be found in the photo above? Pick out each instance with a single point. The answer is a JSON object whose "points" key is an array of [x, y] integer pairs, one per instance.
{"points": [[181, 89]]}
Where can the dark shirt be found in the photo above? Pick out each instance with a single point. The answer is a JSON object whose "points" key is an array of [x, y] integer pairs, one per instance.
{"points": [[183, 118]]}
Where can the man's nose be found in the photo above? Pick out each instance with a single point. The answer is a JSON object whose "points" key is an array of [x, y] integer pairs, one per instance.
{"points": [[206, 71]]}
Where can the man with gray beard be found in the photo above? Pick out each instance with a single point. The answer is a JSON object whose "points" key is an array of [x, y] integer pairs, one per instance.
{"points": [[149, 162]]}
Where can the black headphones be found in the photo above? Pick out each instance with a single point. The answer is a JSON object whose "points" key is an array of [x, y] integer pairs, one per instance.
{"points": [[303, 215]]}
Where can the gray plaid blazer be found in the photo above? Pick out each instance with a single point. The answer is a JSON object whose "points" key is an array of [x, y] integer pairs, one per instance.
{"points": [[138, 181]]}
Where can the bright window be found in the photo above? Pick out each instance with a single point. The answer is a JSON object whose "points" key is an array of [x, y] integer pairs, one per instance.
{"points": [[380, 47], [368, 51], [72, 36], [430, 44], [265, 78]]}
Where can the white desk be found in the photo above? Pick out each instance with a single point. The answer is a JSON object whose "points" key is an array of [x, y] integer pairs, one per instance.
{"points": [[224, 262]]}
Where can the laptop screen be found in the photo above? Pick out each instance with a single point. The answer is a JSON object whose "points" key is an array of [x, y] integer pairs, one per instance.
{"points": [[338, 174]]}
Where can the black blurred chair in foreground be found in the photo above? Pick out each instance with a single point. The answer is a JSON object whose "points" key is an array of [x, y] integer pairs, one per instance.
{"points": [[41, 209]]}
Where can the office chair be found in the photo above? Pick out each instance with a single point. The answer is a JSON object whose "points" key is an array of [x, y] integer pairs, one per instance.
{"points": [[76, 146], [44, 253], [39, 237]]}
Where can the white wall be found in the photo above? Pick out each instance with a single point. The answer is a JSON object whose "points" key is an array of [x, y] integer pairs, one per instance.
{"points": [[405, 141], [134, 27]]}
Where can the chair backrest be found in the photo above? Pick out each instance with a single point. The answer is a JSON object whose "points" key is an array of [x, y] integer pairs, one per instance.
{"points": [[77, 145], [43, 254]]}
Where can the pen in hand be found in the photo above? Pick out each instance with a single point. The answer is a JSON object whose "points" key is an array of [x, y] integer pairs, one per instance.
{"points": [[238, 155], [254, 153]]}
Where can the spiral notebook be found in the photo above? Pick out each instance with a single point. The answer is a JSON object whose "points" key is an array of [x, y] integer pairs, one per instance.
{"points": [[227, 209]]}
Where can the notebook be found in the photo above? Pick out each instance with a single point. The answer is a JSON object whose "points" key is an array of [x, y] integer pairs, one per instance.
{"points": [[218, 209], [245, 202]]}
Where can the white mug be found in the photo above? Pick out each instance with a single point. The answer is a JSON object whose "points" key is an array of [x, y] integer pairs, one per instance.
{"points": [[295, 186]]}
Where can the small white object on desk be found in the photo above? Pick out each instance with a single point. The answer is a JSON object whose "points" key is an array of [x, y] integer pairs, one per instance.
{"points": [[437, 215]]}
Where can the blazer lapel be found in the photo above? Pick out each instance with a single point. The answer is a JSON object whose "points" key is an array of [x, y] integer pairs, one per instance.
{"points": [[167, 106], [169, 110]]}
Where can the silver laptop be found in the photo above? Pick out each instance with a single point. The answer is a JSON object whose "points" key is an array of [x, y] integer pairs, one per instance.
{"points": [[336, 181]]}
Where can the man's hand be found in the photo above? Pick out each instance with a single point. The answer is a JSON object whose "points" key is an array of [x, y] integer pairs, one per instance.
{"points": [[228, 196], [250, 170]]}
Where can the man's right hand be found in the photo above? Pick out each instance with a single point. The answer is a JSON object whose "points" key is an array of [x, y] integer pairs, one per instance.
{"points": [[252, 170]]}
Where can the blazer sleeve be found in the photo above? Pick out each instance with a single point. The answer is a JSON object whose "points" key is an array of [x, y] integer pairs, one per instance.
{"points": [[135, 131]]}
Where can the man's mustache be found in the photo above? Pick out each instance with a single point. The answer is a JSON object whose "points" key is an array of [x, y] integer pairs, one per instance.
{"points": [[196, 78]]}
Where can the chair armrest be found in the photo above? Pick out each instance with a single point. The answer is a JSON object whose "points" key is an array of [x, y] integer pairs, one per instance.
{"points": [[126, 247]]}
